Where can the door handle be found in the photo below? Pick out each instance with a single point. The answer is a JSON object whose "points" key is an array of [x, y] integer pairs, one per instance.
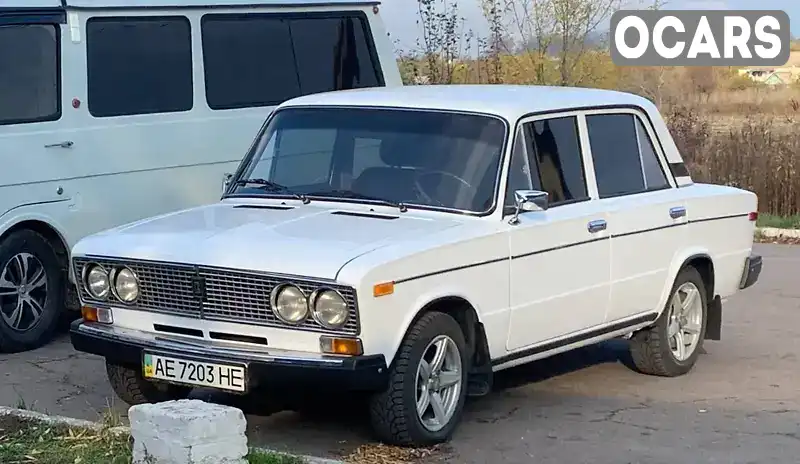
{"points": [[676, 212], [64, 144], [597, 225]]}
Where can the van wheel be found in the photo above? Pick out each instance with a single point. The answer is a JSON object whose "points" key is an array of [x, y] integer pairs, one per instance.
{"points": [[670, 348], [32, 285], [131, 387], [427, 385]]}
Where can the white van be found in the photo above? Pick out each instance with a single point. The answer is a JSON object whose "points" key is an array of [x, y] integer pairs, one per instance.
{"points": [[116, 110]]}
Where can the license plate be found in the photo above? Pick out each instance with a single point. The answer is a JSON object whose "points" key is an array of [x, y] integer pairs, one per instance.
{"points": [[229, 377]]}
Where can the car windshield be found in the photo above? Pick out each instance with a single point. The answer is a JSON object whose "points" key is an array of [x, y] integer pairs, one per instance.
{"points": [[410, 158]]}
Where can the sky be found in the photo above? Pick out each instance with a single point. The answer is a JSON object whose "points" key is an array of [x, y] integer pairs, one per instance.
{"points": [[400, 16]]}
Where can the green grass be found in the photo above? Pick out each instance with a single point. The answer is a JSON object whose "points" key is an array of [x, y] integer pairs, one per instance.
{"points": [[31, 443], [780, 222]]}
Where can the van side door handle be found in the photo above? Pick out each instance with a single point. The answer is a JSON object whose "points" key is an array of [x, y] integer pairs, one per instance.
{"points": [[676, 212], [64, 144], [597, 225]]}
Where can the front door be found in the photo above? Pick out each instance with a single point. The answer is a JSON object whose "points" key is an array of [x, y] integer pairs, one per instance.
{"points": [[560, 271]]}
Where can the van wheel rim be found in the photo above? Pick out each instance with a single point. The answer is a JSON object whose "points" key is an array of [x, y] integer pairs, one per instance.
{"points": [[23, 292], [439, 383], [685, 321]]}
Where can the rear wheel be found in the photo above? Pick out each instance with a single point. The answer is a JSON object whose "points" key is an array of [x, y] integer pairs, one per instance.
{"points": [[131, 387], [32, 286], [427, 385], [670, 348]]}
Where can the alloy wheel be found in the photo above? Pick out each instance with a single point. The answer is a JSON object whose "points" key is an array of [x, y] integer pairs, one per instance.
{"points": [[23, 292]]}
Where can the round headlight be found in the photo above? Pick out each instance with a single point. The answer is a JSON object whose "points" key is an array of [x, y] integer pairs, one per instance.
{"points": [[126, 285], [289, 303], [97, 283], [330, 309]]}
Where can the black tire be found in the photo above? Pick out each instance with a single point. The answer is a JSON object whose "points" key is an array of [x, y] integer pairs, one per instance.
{"points": [[393, 412], [39, 334], [650, 348], [131, 387]]}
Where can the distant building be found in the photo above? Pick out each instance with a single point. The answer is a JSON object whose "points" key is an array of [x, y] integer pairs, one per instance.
{"points": [[783, 75]]}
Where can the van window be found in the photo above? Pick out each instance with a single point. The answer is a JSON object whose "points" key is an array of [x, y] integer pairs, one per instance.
{"points": [[258, 60], [139, 65], [29, 74]]}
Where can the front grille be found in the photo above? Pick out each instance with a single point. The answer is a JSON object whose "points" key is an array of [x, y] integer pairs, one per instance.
{"points": [[229, 295]]}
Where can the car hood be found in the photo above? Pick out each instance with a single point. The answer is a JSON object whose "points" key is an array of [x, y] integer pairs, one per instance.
{"points": [[314, 240]]}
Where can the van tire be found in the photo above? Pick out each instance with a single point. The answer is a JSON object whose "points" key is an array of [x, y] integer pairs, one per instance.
{"points": [[35, 252], [131, 387]]}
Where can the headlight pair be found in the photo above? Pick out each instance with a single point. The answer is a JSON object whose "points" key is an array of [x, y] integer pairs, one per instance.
{"points": [[122, 282], [327, 306]]}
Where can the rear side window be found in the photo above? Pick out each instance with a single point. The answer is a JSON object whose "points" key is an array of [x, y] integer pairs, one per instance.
{"points": [[258, 60], [625, 160], [139, 65], [29, 74]]}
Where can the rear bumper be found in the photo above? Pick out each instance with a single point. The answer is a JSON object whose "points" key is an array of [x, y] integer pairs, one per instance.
{"points": [[752, 270], [264, 367]]}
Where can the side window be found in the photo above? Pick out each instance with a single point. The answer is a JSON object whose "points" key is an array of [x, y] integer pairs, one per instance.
{"points": [[624, 159], [259, 60], [139, 65], [304, 156], [556, 149], [519, 172], [29, 74]]}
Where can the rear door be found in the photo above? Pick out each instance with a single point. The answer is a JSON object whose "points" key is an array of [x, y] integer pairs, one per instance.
{"points": [[647, 218]]}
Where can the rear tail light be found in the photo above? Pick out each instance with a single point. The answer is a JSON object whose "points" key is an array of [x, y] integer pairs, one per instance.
{"points": [[753, 216]]}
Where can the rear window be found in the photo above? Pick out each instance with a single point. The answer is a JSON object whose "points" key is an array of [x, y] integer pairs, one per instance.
{"points": [[258, 60]]}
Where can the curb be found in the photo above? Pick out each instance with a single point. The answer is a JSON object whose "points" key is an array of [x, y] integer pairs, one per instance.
{"points": [[96, 426], [775, 232]]}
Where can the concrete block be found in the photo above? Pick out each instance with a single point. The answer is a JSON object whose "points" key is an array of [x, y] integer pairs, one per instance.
{"points": [[188, 432]]}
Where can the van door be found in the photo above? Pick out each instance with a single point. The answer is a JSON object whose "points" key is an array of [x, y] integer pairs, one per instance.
{"points": [[32, 142]]}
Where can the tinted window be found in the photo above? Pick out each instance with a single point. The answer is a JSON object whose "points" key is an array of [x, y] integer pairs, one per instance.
{"points": [[423, 158], [557, 153], [618, 160], [140, 65], [654, 177], [29, 74], [264, 59]]}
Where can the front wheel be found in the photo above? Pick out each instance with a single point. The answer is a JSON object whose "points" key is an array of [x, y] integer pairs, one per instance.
{"points": [[131, 387], [427, 385], [670, 348]]}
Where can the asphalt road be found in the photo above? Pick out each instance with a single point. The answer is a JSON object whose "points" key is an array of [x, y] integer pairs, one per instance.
{"points": [[741, 404]]}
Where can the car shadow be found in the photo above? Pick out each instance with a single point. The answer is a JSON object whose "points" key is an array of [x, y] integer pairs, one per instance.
{"points": [[337, 426]]}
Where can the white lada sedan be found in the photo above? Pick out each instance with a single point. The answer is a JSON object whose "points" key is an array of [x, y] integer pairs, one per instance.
{"points": [[407, 243]]}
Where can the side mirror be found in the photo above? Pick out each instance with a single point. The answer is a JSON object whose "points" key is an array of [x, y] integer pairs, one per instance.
{"points": [[226, 181], [529, 200]]}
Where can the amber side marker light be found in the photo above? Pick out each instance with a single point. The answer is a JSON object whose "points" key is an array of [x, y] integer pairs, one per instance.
{"points": [[383, 289], [345, 346], [100, 315]]}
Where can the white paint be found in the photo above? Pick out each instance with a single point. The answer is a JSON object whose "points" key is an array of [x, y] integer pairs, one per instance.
{"points": [[188, 432], [552, 294], [734, 40]]}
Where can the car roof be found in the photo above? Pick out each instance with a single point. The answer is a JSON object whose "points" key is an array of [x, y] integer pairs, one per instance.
{"points": [[509, 101], [33, 4]]}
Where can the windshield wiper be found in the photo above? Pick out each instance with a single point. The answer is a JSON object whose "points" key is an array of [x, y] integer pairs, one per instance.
{"points": [[360, 196], [270, 186]]}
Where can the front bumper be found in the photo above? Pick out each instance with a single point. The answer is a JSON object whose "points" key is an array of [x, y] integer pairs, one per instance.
{"points": [[752, 270], [265, 367]]}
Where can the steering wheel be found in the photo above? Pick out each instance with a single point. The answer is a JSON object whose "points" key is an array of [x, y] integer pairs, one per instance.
{"points": [[427, 198]]}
